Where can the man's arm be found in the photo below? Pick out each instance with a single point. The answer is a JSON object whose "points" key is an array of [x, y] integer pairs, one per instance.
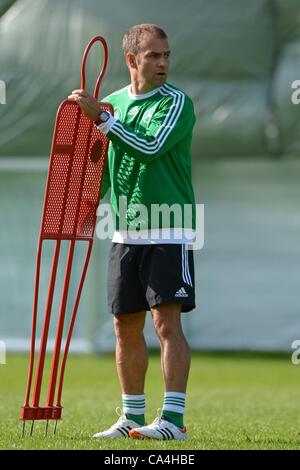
{"points": [[168, 126]]}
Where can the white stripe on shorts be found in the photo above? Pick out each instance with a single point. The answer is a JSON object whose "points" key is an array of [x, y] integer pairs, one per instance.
{"points": [[186, 276]]}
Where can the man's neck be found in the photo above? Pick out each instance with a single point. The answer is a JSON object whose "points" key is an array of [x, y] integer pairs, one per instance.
{"points": [[140, 88]]}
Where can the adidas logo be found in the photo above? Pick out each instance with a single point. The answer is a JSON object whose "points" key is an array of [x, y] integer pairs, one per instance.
{"points": [[181, 293]]}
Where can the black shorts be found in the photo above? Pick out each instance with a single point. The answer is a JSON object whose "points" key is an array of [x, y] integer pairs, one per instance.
{"points": [[142, 276]]}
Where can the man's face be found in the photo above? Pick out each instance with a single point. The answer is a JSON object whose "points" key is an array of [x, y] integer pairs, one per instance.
{"points": [[152, 62]]}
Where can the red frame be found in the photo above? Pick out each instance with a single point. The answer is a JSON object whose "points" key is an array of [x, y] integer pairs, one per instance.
{"points": [[69, 213]]}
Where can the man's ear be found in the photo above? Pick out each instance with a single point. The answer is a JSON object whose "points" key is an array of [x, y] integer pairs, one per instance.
{"points": [[131, 60]]}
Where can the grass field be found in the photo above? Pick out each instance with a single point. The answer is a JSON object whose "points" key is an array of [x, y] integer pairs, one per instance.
{"points": [[235, 401]]}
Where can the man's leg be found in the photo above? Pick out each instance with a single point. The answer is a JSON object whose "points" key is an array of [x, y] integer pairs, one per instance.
{"points": [[175, 361], [131, 352], [132, 362], [175, 354], [169, 281]]}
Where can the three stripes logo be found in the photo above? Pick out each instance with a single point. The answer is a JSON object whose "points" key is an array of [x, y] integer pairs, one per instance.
{"points": [[124, 430], [181, 293], [166, 434], [174, 112]]}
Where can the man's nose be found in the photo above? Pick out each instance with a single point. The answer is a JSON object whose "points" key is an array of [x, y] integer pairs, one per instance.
{"points": [[163, 62]]}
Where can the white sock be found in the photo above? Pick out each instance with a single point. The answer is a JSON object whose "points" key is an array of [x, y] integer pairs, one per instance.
{"points": [[174, 401], [134, 404]]}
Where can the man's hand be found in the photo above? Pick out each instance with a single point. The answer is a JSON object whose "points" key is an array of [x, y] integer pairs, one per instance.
{"points": [[87, 103]]}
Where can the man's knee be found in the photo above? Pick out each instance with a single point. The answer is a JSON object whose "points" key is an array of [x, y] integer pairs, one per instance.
{"points": [[128, 325], [167, 322], [163, 329]]}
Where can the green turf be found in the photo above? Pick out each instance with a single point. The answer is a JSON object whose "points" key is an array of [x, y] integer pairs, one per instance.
{"points": [[234, 402]]}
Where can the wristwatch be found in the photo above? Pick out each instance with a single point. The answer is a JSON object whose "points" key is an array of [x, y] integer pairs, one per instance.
{"points": [[103, 116]]}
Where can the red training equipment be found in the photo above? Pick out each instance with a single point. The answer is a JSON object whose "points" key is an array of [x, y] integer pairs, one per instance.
{"points": [[77, 161]]}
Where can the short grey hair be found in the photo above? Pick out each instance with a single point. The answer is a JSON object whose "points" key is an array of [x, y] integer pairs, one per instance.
{"points": [[133, 37]]}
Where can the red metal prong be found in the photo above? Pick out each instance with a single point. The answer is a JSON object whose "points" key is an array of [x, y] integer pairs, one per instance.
{"points": [[33, 328], [60, 326], [45, 330], [72, 323]]}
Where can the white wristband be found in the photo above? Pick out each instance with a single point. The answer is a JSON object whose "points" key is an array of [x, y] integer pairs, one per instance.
{"points": [[105, 127]]}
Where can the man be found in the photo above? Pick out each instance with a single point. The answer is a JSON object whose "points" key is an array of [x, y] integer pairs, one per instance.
{"points": [[149, 163]]}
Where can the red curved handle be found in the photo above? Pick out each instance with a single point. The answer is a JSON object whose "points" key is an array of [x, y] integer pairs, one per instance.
{"points": [[99, 80]]}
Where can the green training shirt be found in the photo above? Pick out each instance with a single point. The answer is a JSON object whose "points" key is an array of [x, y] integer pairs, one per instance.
{"points": [[149, 163]]}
